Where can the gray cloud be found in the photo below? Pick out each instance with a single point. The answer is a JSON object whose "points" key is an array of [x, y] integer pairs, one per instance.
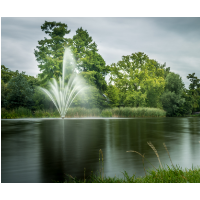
{"points": [[175, 41]]}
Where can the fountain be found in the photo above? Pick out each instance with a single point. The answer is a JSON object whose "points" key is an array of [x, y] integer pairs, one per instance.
{"points": [[61, 93]]}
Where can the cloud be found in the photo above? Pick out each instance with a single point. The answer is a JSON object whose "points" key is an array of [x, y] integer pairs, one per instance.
{"points": [[172, 40]]}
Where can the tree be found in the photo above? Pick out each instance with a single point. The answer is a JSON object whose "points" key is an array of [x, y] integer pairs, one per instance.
{"points": [[112, 93], [49, 53], [194, 91], [7, 74], [139, 79], [4, 92], [186, 108], [19, 92], [172, 98], [87, 57]]}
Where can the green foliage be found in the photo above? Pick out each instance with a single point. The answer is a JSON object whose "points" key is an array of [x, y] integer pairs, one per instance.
{"points": [[49, 53], [194, 91], [139, 79], [6, 74], [72, 112], [90, 64], [172, 98], [112, 93], [46, 113], [186, 108], [20, 92], [88, 59], [133, 112], [106, 113], [41, 101], [92, 97], [167, 175], [4, 92], [20, 112], [138, 112], [135, 99], [83, 112]]}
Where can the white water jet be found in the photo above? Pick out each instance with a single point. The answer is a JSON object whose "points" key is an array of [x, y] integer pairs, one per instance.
{"points": [[61, 93]]}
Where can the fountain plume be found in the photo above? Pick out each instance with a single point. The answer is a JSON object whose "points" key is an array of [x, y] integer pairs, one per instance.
{"points": [[61, 93]]}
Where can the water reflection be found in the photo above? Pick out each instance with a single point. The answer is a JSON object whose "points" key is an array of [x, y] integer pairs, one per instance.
{"points": [[43, 150]]}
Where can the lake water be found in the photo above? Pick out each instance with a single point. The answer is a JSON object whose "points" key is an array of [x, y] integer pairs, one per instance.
{"points": [[43, 150]]}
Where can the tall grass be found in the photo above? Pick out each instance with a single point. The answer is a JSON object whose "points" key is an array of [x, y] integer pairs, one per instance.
{"points": [[83, 112], [133, 112], [20, 112], [46, 113], [165, 175]]}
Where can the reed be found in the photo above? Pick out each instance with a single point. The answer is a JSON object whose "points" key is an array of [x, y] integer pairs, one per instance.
{"points": [[20, 112], [154, 149], [168, 154], [133, 112], [101, 163], [84, 112]]}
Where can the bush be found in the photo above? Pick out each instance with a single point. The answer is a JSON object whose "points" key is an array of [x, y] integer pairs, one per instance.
{"points": [[20, 112], [137, 112], [20, 93], [106, 113]]}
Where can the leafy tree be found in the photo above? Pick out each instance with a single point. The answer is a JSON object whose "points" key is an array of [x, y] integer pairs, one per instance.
{"points": [[41, 101], [194, 91], [172, 98], [4, 92], [87, 57], [139, 79], [19, 92], [7, 74], [49, 53], [186, 107], [112, 93]]}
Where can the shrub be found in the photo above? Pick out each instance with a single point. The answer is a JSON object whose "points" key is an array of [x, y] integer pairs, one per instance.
{"points": [[106, 113]]}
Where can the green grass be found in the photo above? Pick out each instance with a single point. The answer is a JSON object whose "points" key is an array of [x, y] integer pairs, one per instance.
{"points": [[16, 113], [165, 175], [83, 112], [195, 115], [133, 112]]}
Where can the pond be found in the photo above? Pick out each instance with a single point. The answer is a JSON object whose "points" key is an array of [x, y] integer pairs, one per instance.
{"points": [[44, 150]]}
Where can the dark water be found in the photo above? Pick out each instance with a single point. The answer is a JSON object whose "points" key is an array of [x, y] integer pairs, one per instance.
{"points": [[43, 150]]}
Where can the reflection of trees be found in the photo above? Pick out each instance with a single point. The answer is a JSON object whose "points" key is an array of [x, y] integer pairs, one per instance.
{"points": [[79, 147], [70, 153], [194, 125], [133, 134], [19, 152], [194, 138]]}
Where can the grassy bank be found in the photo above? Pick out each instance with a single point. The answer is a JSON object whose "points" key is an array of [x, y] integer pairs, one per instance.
{"points": [[165, 175], [83, 112], [174, 174]]}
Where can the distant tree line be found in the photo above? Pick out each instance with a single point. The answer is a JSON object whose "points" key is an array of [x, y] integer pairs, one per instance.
{"points": [[135, 80]]}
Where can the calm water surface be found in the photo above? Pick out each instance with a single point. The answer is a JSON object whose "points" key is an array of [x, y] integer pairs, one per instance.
{"points": [[43, 150]]}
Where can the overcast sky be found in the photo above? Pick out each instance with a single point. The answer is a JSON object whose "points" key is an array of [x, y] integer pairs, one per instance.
{"points": [[175, 41]]}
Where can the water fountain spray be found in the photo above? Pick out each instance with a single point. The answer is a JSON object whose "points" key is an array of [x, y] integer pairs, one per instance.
{"points": [[61, 93]]}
